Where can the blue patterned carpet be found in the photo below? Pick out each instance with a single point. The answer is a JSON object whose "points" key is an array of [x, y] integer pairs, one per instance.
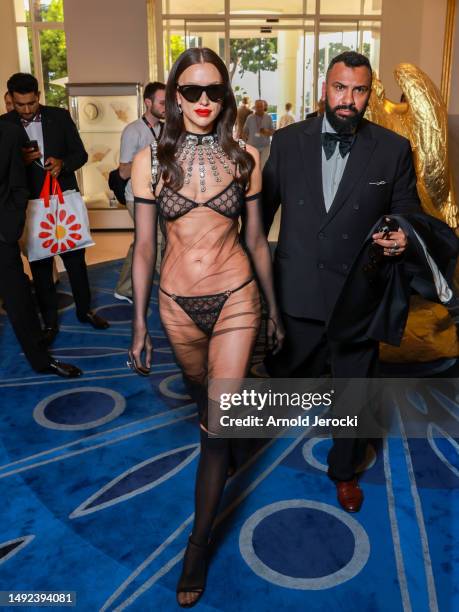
{"points": [[96, 482]]}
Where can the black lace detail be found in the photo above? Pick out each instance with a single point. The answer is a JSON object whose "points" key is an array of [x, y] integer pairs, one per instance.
{"points": [[203, 310], [228, 202]]}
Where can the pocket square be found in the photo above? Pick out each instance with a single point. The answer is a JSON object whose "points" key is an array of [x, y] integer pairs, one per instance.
{"points": [[377, 183]]}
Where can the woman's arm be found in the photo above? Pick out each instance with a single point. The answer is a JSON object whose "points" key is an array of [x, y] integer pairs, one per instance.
{"points": [[144, 257], [258, 248]]}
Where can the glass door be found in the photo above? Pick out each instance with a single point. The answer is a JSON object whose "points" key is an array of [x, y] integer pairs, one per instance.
{"points": [[334, 38], [273, 59], [182, 34]]}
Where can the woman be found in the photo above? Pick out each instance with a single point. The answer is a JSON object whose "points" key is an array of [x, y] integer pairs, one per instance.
{"points": [[198, 180]]}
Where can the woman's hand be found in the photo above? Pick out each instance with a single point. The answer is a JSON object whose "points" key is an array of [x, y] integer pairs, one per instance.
{"points": [[141, 343], [275, 334]]}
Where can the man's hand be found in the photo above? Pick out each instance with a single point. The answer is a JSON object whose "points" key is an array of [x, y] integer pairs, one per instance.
{"points": [[30, 154], [394, 244], [54, 165]]}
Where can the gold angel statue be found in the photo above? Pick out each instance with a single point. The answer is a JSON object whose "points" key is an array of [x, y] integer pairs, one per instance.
{"points": [[422, 118]]}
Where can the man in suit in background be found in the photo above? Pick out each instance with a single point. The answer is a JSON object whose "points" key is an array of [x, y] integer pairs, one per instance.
{"points": [[14, 284], [61, 152], [335, 176]]}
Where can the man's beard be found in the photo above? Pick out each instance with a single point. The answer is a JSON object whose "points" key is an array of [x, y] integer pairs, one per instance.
{"points": [[157, 114], [344, 125]]}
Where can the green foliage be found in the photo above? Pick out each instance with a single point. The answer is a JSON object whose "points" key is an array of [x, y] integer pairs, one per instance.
{"points": [[177, 46], [54, 63], [253, 55], [53, 51], [335, 49], [54, 11]]}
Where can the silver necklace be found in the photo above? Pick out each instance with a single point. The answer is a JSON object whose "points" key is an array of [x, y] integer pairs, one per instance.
{"points": [[205, 147]]}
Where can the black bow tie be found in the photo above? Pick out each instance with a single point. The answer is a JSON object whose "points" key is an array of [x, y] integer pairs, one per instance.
{"points": [[35, 119], [330, 139]]}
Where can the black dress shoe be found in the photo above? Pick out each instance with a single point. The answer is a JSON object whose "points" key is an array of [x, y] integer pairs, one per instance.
{"points": [[66, 370], [49, 334], [94, 319]]}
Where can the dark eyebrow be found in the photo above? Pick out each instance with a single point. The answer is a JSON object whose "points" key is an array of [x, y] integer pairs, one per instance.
{"points": [[362, 86]]}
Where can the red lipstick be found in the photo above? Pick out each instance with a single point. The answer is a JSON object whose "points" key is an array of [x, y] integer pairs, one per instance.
{"points": [[203, 112]]}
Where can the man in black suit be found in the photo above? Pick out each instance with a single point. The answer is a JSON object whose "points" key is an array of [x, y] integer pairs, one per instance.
{"points": [[335, 176], [60, 151], [14, 284]]}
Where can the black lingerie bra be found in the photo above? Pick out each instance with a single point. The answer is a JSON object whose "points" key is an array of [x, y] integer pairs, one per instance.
{"points": [[173, 205], [228, 202]]}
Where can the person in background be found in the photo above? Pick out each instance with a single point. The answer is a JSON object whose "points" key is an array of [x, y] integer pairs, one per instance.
{"points": [[135, 137], [320, 110], [287, 118], [58, 150], [14, 284], [9, 106], [258, 130], [242, 113]]}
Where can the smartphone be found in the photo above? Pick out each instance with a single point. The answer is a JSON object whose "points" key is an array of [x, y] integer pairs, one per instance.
{"points": [[32, 144], [389, 225]]}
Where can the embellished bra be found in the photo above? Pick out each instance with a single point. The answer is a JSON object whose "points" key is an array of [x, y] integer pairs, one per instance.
{"points": [[229, 202]]}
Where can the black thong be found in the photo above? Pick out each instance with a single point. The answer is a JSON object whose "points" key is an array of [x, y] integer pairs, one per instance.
{"points": [[204, 310]]}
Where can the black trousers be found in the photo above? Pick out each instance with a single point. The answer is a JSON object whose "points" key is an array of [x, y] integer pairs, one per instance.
{"points": [[45, 290], [20, 307], [305, 354]]}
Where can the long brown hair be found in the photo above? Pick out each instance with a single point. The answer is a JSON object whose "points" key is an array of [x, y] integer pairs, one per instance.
{"points": [[174, 130]]}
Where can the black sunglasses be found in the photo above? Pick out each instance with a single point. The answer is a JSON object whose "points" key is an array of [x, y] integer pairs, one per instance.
{"points": [[193, 93]]}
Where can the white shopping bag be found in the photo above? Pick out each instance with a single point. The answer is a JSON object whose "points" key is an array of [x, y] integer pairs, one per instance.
{"points": [[56, 223]]}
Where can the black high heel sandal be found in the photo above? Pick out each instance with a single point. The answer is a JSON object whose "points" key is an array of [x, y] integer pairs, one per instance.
{"points": [[194, 572], [131, 363]]}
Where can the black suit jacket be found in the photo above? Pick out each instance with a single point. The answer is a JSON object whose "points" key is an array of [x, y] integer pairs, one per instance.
{"points": [[61, 140], [13, 184], [316, 249], [381, 311]]}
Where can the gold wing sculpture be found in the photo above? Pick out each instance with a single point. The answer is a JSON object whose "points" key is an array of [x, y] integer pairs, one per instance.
{"points": [[422, 118]]}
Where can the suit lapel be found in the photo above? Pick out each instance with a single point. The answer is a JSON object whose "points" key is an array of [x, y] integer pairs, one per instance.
{"points": [[359, 158], [17, 121], [46, 126], [311, 151]]}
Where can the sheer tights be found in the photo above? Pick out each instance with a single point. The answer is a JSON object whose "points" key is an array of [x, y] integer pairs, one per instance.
{"points": [[225, 354]]}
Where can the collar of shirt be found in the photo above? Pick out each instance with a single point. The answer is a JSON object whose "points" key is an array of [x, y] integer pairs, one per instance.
{"points": [[326, 127], [34, 131], [35, 119]]}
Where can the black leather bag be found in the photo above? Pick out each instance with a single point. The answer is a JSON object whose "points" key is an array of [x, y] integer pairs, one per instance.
{"points": [[117, 184]]}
